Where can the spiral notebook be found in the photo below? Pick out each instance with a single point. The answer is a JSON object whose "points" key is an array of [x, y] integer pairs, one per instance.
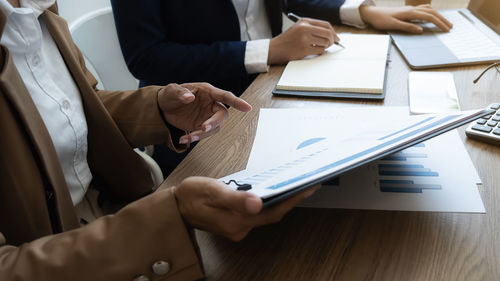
{"points": [[357, 71]]}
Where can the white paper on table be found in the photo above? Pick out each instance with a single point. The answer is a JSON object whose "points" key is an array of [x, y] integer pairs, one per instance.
{"points": [[432, 92], [281, 131]]}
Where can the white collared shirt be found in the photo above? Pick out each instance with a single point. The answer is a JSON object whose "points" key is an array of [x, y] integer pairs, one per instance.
{"points": [[256, 29], [51, 87]]}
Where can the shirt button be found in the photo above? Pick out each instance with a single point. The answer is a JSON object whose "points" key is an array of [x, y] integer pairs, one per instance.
{"points": [[36, 60], [66, 105], [161, 267], [141, 278]]}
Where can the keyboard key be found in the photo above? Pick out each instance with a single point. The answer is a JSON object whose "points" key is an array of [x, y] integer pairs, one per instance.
{"points": [[496, 132], [481, 128], [495, 106], [492, 123], [488, 116], [496, 118], [482, 121]]}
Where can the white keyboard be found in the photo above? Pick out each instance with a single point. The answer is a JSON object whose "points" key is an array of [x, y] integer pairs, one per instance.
{"points": [[465, 40]]}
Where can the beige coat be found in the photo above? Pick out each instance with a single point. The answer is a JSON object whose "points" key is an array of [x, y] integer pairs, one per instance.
{"points": [[40, 238]]}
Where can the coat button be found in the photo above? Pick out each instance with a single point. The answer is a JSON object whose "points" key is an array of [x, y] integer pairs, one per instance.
{"points": [[141, 278], [161, 267]]}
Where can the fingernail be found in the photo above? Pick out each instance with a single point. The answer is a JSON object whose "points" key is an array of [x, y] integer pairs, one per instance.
{"points": [[253, 205], [187, 96], [195, 138], [208, 128], [183, 141]]}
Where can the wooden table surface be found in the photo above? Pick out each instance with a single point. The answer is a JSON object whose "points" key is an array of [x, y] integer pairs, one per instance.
{"points": [[335, 244]]}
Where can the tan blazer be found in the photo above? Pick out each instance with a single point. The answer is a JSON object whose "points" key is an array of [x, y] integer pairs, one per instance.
{"points": [[40, 238]]}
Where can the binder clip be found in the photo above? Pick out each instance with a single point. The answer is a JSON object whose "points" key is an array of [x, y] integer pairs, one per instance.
{"points": [[241, 187]]}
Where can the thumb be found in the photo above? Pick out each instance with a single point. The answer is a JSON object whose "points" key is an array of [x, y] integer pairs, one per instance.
{"points": [[238, 201], [173, 96]]}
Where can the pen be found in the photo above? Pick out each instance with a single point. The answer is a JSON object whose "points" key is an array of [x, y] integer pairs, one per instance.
{"points": [[293, 17]]}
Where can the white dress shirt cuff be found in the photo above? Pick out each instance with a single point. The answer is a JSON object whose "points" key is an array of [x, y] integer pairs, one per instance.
{"points": [[349, 12], [256, 55]]}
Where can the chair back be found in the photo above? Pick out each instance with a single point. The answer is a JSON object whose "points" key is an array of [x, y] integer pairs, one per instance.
{"points": [[95, 35]]}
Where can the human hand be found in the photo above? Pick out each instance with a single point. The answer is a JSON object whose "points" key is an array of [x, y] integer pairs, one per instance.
{"points": [[197, 107], [305, 37], [209, 205], [397, 18]]}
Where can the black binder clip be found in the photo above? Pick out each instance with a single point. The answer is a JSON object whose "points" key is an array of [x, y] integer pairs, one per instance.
{"points": [[241, 187]]}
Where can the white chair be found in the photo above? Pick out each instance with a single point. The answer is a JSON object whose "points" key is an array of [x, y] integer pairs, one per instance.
{"points": [[95, 35]]}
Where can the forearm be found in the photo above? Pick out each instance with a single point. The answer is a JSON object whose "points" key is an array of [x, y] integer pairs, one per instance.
{"points": [[116, 247], [139, 118]]}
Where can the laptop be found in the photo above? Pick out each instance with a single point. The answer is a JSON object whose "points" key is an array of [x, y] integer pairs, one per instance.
{"points": [[474, 38]]}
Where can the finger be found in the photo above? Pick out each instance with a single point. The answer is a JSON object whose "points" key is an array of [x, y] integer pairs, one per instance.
{"points": [[197, 136], [320, 32], [406, 26], [315, 50], [239, 201], [174, 95], [430, 10], [320, 42], [420, 15], [223, 96], [275, 213], [220, 115], [325, 25]]}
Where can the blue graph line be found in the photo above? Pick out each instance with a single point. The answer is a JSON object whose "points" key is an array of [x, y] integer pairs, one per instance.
{"points": [[396, 182], [363, 153], [394, 158], [400, 166], [408, 173], [401, 189], [412, 126], [309, 142]]}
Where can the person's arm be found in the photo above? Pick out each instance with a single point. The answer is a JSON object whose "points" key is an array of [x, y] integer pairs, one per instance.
{"points": [[383, 18], [115, 247], [327, 10], [399, 18], [152, 55]]}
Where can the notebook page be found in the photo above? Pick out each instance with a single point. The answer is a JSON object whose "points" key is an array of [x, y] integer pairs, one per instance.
{"points": [[359, 68]]}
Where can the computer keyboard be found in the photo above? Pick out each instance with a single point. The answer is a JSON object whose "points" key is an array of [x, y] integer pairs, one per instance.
{"points": [[487, 129], [465, 40]]}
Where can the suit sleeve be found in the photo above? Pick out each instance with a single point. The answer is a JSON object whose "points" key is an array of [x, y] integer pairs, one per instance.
{"points": [[153, 56], [328, 10], [115, 247]]}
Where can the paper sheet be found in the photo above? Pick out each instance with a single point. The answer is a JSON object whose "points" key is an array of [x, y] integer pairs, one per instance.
{"points": [[281, 131], [432, 92]]}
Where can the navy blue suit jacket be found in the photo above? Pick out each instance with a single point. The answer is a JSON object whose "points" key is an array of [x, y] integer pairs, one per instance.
{"points": [[179, 41]]}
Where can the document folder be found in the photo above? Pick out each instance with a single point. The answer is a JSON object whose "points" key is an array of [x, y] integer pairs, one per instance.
{"points": [[329, 159]]}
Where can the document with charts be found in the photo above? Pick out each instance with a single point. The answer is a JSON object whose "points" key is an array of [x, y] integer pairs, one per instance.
{"points": [[330, 145], [358, 70]]}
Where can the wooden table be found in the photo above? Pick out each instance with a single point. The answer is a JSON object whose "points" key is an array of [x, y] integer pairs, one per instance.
{"points": [[332, 244]]}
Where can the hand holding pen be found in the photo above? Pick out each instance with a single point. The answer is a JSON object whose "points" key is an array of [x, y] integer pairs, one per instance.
{"points": [[306, 37], [293, 17]]}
